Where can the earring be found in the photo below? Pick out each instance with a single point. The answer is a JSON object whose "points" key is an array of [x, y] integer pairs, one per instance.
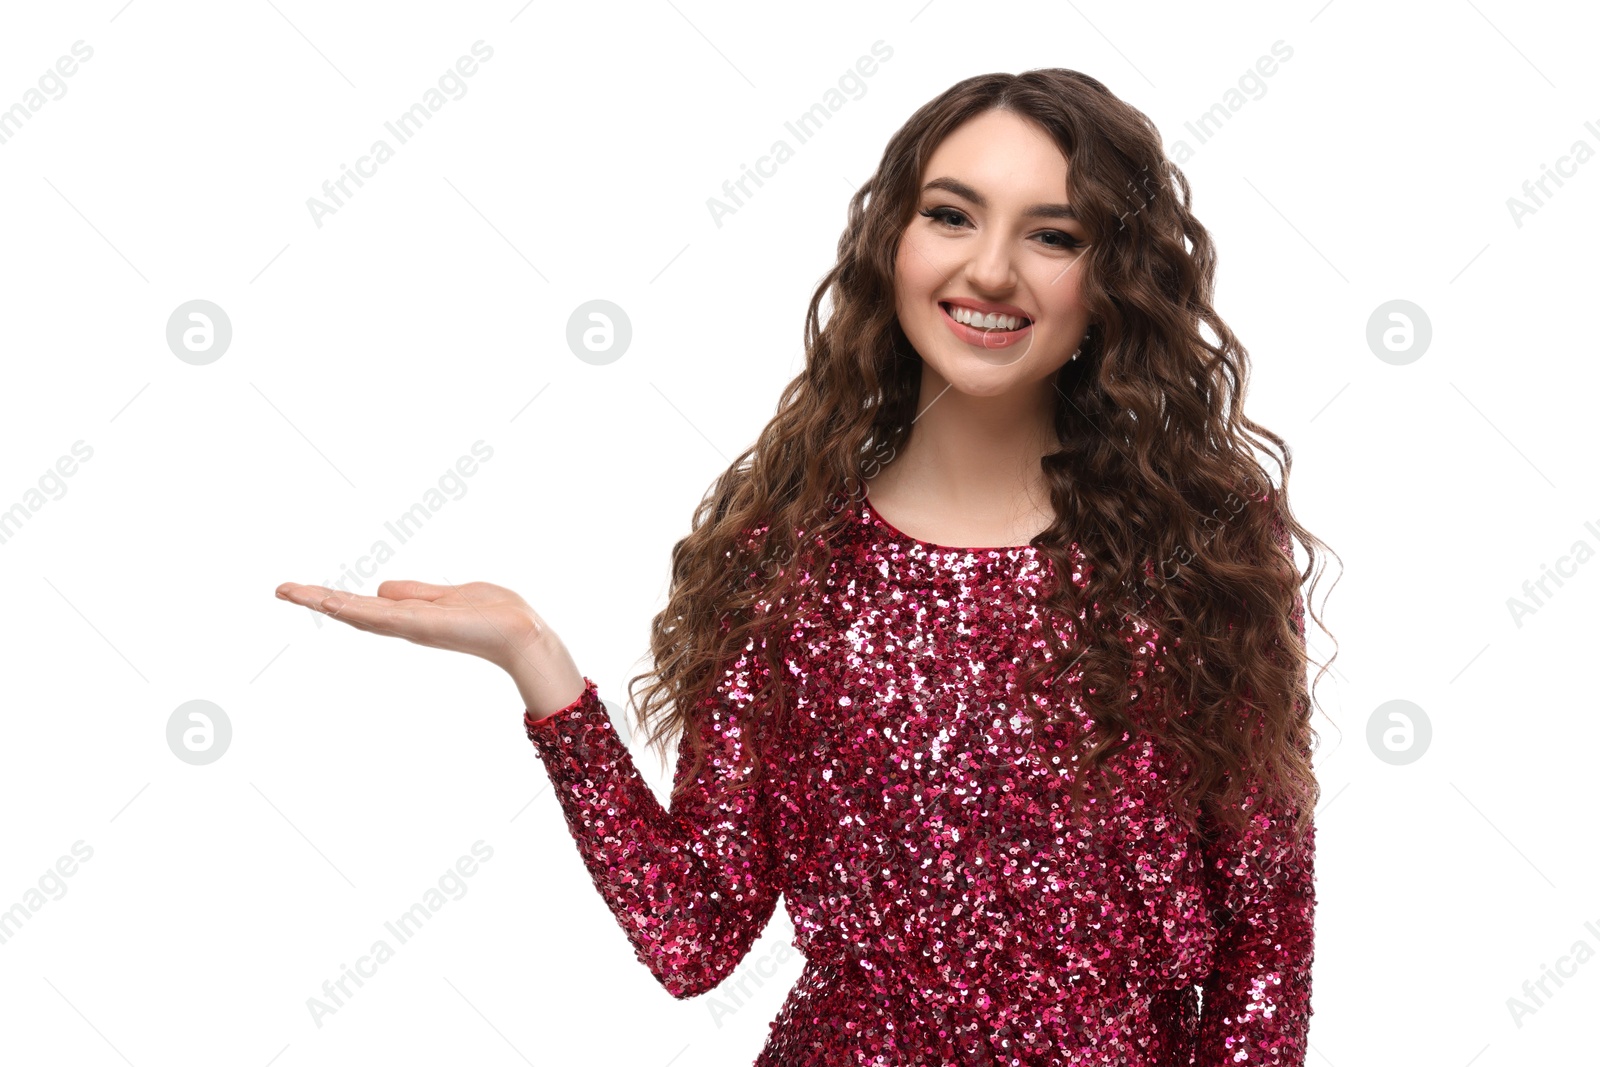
{"points": [[1080, 344]]}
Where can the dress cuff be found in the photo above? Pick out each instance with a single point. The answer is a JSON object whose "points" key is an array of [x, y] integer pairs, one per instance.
{"points": [[544, 727]]}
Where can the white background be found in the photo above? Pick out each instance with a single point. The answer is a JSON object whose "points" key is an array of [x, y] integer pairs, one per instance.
{"points": [[429, 312]]}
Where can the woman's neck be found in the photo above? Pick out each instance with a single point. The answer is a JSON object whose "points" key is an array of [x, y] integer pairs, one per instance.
{"points": [[969, 471]]}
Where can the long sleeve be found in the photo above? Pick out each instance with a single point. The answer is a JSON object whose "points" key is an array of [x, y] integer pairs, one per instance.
{"points": [[1256, 1007], [690, 885]]}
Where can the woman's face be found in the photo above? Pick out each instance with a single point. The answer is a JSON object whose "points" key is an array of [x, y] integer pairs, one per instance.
{"points": [[993, 232]]}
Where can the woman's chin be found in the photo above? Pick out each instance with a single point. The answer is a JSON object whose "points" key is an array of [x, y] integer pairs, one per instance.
{"points": [[977, 376]]}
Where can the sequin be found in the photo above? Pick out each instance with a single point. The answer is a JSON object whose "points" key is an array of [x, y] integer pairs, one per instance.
{"points": [[948, 909]]}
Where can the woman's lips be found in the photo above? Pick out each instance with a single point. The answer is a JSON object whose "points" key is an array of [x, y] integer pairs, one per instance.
{"points": [[983, 338]]}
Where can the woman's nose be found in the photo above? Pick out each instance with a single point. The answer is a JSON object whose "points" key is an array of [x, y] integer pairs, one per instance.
{"points": [[990, 267]]}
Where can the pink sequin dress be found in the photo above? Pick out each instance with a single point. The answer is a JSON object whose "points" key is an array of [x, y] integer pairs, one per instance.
{"points": [[947, 910]]}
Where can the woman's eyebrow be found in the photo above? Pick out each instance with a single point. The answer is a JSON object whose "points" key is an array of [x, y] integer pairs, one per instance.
{"points": [[967, 192]]}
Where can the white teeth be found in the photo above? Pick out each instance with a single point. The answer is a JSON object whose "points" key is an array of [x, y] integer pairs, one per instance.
{"points": [[985, 322]]}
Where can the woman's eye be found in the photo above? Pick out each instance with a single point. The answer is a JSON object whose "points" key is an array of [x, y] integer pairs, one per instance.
{"points": [[942, 214], [949, 216], [1067, 240]]}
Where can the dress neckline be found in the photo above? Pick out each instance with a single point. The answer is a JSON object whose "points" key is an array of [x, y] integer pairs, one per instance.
{"points": [[877, 515]]}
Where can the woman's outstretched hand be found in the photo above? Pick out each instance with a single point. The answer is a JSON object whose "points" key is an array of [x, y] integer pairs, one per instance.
{"points": [[480, 619]]}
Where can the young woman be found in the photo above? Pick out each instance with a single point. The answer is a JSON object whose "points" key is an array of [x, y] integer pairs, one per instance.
{"points": [[988, 656]]}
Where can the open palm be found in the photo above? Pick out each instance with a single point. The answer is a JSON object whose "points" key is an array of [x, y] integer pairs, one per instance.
{"points": [[478, 618]]}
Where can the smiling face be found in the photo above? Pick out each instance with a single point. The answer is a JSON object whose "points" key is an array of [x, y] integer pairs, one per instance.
{"points": [[993, 233]]}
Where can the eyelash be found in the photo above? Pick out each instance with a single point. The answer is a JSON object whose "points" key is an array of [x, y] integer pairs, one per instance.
{"points": [[941, 214]]}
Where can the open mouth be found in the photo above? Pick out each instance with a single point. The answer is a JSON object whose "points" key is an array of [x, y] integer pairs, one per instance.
{"points": [[977, 321]]}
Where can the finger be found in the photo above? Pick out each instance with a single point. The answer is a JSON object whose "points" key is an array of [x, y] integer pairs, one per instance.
{"points": [[402, 589], [374, 620], [309, 595], [425, 628], [369, 610], [361, 626], [418, 621]]}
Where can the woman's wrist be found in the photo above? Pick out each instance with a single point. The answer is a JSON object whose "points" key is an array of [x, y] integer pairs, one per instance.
{"points": [[538, 705], [534, 717], [545, 675]]}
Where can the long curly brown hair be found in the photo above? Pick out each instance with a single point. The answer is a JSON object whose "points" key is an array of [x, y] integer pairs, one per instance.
{"points": [[1153, 477]]}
